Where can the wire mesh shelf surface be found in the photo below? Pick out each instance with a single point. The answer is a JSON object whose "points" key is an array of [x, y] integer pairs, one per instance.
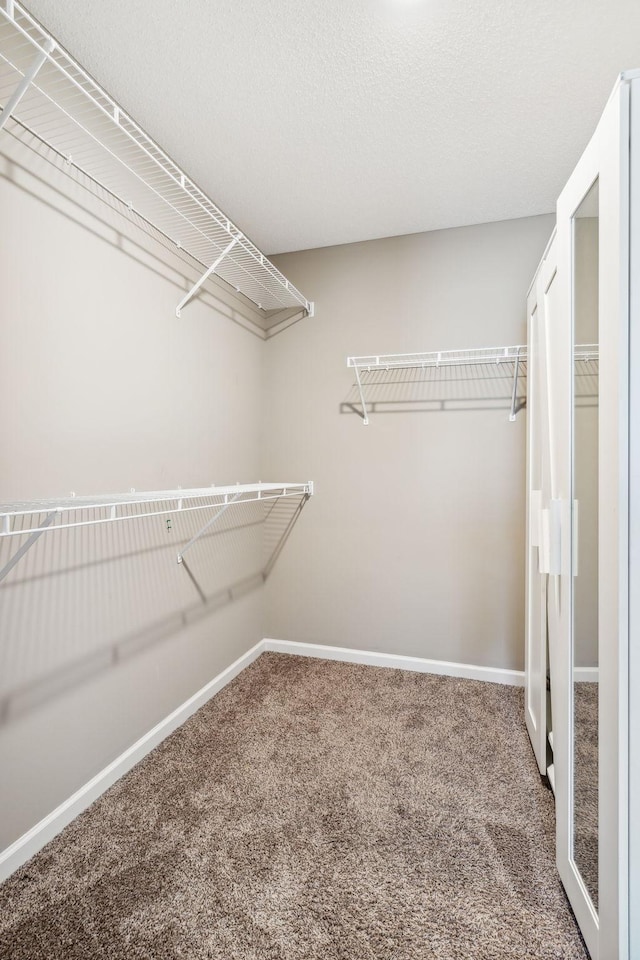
{"points": [[452, 358], [378, 365], [66, 109], [18, 518], [438, 358]]}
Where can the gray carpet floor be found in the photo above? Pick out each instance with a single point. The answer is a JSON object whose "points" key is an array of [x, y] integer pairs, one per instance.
{"points": [[312, 810], [585, 841]]}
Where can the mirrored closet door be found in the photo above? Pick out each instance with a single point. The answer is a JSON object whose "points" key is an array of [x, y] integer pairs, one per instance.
{"points": [[578, 550], [587, 633], [585, 542]]}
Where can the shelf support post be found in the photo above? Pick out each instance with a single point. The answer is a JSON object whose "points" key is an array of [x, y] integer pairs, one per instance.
{"points": [[19, 554], [516, 368], [365, 415], [208, 524], [205, 276], [26, 81]]}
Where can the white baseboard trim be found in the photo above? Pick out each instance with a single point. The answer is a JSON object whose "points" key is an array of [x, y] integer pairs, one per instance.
{"points": [[514, 678], [586, 674], [34, 839]]}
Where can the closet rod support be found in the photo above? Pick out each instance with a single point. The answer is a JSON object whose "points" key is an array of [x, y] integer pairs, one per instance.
{"points": [[209, 523], [516, 367], [205, 276], [19, 554], [365, 415], [26, 81]]}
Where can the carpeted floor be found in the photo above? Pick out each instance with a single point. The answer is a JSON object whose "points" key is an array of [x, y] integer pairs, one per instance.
{"points": [[312, 810], [585, 841]]}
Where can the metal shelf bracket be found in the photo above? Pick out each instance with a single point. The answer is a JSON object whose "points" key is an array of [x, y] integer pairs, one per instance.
{"points": [[514, 395], [365, 416], [205, 276], [227, 503], [28, 78], [19, 554]]}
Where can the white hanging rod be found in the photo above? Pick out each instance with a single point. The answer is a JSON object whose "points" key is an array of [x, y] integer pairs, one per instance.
{"points": [[53, 97], [454, 358]]}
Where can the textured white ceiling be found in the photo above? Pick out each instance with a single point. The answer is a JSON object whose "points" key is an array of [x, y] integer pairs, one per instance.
{"points": [[315, 122]]}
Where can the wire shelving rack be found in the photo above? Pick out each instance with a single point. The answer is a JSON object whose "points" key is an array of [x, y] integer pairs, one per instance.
{"points": [[33, 518], [514, 355], [51, 96]]}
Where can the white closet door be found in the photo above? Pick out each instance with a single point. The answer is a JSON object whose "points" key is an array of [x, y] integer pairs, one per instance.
{"points": [[602, 173], [553, 350], [538, 496], [634, 528], [559, 366]]}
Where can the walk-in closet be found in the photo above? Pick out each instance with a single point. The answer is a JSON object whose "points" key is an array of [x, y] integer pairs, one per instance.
{"points": [[319, 511]]}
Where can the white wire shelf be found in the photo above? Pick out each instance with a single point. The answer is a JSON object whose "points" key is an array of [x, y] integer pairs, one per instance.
{"points": [[32, 518], [88, 511], [45, 91], [586, 351], [515, 355], [439, 358]]}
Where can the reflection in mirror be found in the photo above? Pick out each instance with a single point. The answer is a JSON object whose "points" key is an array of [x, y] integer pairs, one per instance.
{"points": [[585, 533]]}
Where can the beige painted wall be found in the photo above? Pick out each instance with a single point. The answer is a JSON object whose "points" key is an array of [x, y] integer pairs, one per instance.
{"points": [[415, 541], [102, 389]]}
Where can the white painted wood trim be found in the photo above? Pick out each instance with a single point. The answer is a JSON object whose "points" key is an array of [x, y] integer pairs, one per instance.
{"points": [[633, 706], [34, 839], [586, 674], [372, 658]]}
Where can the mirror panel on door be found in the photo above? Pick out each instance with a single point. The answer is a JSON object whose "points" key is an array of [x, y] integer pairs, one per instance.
{"points": [[585, 541]]}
